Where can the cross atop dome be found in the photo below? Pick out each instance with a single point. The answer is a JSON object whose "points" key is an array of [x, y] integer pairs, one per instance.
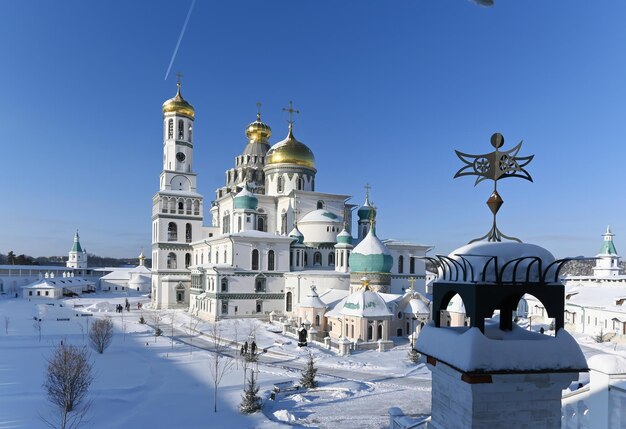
{"points": [[291, 111]]}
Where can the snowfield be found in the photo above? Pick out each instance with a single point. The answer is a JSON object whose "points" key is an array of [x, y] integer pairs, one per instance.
{"points": [[145, 381]]}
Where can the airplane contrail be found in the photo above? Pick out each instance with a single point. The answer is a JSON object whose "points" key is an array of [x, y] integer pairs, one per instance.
{"points": [[180, 38]]}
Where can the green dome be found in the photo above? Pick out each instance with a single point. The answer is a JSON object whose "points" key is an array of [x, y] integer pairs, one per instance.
{"points": [[245, 200], [296, 235], [344, 237], [371, 256], [366, 211]]}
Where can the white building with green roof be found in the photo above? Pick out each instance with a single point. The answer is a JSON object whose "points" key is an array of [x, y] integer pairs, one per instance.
{"points": [[594, 304]]}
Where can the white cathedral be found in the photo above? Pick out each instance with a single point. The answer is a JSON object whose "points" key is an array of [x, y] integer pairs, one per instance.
{"points": [[272, 236]]}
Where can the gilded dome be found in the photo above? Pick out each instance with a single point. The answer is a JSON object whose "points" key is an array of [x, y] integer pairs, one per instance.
{"points": [[290, 151], [258, 131], [178, 105]]}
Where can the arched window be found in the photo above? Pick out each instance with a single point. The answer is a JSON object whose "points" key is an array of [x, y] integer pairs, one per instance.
{"points": [[369, 332], [320, 204], [196, 208], [260, 224], [279, 184], [225, 257], [170, 129], [270, 260], [187, 260], [364, 231], [341, 259], [181, 207], [202, 258], [317, 258], [239, 223], [317, 320], [331, 258], [217, 257], [300, 183], [189, 133], [181, 129], [306, 259], [196, 258], [400, 264], [411, 265], [188, 233], [224, 285], [289, 302], [255, 259], [224, 307], [380, 332], [171, 261], [172, 232]]}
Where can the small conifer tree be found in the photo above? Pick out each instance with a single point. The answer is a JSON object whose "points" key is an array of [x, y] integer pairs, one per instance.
{"points": [[308, 374], [251, 401], [414, 356]]}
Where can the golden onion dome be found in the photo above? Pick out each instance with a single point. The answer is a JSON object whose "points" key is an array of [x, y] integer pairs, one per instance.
{"points": [[290, 151], [258, 131], [178, 105]]}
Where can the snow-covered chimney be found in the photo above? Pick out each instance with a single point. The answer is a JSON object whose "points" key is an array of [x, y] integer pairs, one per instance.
{"points": [[494, 374]]}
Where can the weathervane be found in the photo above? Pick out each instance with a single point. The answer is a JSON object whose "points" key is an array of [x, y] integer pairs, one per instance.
{"points": [[495, 165]]}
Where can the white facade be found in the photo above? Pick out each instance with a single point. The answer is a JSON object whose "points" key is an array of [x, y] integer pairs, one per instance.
{"points": [[176, 208], [271, 234]]}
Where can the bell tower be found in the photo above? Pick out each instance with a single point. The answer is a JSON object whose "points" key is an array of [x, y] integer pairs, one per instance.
{"points": [[176, 207]]}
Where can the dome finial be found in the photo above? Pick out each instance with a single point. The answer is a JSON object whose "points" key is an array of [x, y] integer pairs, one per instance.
{"points": [[258, 108], [367, 194], [291, 111]]}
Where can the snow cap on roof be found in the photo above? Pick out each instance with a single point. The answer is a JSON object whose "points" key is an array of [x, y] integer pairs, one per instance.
{"points": [[482, 254], [364, 303], [371, 255], [312, 300]]}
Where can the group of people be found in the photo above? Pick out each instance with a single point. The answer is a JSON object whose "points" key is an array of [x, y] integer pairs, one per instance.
{"points": [[119, 308], [244, 348]]}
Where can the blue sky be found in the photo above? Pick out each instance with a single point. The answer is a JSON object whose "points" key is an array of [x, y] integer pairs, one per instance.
{"points": [[387, 91]]}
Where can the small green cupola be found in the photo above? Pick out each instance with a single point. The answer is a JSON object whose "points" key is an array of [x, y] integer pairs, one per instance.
{"points": [[344, 237], [366, 212], [608, 247], [298, 237], [245, 199], [76, 247]]}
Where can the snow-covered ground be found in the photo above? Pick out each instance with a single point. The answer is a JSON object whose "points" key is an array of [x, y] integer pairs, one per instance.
{"points": [[145, 381]]}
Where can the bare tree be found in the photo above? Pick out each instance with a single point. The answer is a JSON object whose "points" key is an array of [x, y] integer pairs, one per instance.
{"points": [[67, 380], [220, 362], [37, 326], [82, 330], [6, 324], [157, 318], [101, 334], [173, 315], [193, 324]]}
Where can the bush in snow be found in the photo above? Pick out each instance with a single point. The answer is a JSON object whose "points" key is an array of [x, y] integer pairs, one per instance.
{"points": [[101, 334], [142, 320], [413, 355], [308, 375], [251, 401]]}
